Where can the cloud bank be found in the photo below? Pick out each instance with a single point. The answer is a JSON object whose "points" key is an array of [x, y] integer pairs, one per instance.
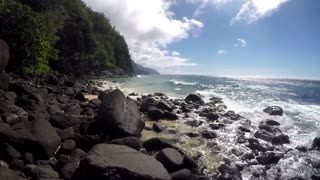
{"points": [[148, 27]]}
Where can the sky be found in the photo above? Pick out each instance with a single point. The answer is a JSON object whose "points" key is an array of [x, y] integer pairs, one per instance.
{"points": [[239, 38]]}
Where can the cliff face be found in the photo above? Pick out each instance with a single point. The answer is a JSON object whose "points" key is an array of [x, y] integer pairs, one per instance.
{"points": [[79, 41], [139, 69]]}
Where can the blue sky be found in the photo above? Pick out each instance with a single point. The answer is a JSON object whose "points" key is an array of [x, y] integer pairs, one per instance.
{"points": [[254, 38]]}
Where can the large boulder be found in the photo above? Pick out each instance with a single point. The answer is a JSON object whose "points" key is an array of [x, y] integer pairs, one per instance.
{"points": [[274, 110], [119, 115], [316, 143], [195, 98], [229, 172], [4, 55], [109, 161], [171, 159]]}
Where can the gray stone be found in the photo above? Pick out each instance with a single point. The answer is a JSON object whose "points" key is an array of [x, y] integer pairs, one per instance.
{"points": [[171, 159]]}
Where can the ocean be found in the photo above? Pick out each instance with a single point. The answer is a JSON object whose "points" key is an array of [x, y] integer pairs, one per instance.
{"points": [[300, 100]]}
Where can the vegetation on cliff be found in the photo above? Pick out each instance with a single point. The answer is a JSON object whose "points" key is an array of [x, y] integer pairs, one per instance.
{"points": [[63, 35]]}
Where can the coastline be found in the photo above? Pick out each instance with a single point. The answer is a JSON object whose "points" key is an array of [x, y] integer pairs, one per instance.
{"points": [[57, 125]]}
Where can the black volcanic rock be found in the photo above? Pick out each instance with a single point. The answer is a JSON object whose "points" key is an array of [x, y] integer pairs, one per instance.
{"points": [[119, 115], [195, 98], [109, 161], [171, 159], [274, 110]]}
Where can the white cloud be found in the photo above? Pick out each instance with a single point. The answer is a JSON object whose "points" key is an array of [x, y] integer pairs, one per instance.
{"points": [[241, 42], [201, 4], [253, 10], [175, 53], [221, 52], [148, 27]]}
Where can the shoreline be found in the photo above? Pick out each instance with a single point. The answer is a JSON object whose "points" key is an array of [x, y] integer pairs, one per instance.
{"points": [[64, 123]]}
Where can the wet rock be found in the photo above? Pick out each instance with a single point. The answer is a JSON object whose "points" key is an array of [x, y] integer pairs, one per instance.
{"points": [[155, 113], [146, 103], [281, 139], [232, 115], [212, 116], [170, 115], [254, 144], [302, 148], [208, 134], [214, 126], [107, 161], [315, 177], [189, 162], [157, 127], [156, 144], [274, 110], [165, 105], [316, 143], [264, 135], [194, 123], [195, 98], [192, 134], [171, 159], [229, 172], [8, 174], [271, 122], [216, 100], [183, 174], [241, 140], [269, 158], [266, 127], [133, 142], [79, 96], [244, 129]]}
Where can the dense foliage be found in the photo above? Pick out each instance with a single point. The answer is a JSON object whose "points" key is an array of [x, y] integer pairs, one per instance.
{"points": [[65, 33]]}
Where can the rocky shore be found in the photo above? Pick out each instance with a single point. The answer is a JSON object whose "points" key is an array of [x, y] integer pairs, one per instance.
{"points": [[57, 127]]}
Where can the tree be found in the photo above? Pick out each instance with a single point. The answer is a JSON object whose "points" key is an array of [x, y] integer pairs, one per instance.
{"points": [[25, 33]]}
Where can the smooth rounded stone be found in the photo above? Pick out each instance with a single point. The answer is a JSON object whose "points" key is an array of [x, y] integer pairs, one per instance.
{"points": [[10, 152], [269, 158], [133, 142], [108, 161], [264, 135], [17, 164], [38, 172], [212, 116], [281, 139], [67, 146], [271, 122], [156, 144], [208, 134], [8, 174], [67, 133], [266, 127], [244, 129], [302, 148], [214, 126], [46, 137], [194, 123], [77, 155], [79, 96], [195, 98], [72, 109], [216, 100], [274, 110], [171, 159], [63, 99], [63, 121], [155, 113], [165, 105], [28, 157], [316, 143], [4, 55], [146, 103], [183, 174], [158, 127], [53, 109], [189, 162], [229, 172], [170, 115], [119, 115], [192, 134], [68, 170]]}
